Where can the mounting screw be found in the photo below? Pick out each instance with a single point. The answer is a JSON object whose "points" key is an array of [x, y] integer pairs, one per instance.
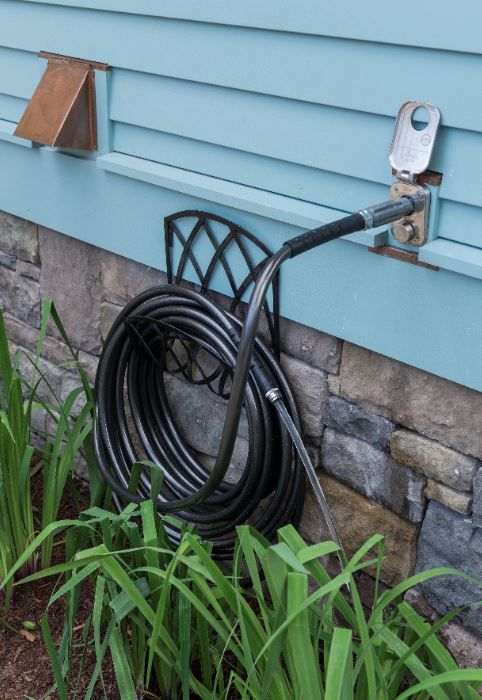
{"points": [[404, 231]]}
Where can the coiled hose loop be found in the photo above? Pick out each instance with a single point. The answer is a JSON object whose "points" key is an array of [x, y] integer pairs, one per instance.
{"points": [[135, 420]]}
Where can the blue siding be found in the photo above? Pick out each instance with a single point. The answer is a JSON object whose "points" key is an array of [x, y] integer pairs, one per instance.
{"points": [[375, 20], [277, 115]]}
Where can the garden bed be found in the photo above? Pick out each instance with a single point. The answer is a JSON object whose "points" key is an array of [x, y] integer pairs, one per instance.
{"points": [[25, 669]]}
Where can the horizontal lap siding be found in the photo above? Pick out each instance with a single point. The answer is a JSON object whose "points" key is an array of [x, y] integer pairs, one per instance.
{"points": [[349, 74], [11, 108], [261, 98], [20, 71], [341, 19]]}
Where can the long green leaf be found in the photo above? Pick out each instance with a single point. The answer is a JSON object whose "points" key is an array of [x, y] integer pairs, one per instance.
{"points": [[414, 663], [121, 666], [298, 638], [339, 673], [5, 362], [434, 682], [49, 643], [185, 644]]}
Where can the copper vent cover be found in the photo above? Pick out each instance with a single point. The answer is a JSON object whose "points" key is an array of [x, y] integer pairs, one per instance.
{"points": [[62, 110]]}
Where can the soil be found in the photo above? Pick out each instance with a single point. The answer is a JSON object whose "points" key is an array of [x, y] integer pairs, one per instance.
{"points": [[25, 670]]}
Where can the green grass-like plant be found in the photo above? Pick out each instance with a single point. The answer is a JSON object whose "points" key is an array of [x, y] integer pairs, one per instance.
{"points": [[20, 398], [180, 625]]}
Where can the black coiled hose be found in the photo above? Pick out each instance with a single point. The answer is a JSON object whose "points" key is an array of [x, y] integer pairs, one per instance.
{"points": [[270, 492], [130, 379]]}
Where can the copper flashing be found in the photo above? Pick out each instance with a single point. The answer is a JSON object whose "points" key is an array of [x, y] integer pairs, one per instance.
{"points": [[62, 111], [401, 254], [428, 177], [71, 59]]}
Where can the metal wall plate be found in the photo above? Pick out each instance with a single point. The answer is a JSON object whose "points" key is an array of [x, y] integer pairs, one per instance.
{"points": [[412, 229], [411, 147]]}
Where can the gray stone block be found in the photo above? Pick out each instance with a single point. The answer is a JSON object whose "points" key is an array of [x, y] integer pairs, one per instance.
{"points": [[71, 276], [357, 519], [461, 502], [89, 365], [38, 427], [334, 384], [310, 345], [435, 407], [434, 460], [449, 539], [27, 269], [357, 421], [53, 350], [477, 500], [19, 332], [310, 388], [373, 473], [108, 314], [200, 416], [19, 237], [314, 453], [123, 279], [236, 466], [477, 539], [57, 382], [8, 261], [465, 647], [20, 297]]}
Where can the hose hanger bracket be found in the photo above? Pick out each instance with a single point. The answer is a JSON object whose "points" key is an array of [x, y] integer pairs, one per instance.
{"points": [[410, 154]]}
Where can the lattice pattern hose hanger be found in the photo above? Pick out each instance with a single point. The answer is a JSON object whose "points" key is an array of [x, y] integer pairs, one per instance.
{"points": [[130, 380]]}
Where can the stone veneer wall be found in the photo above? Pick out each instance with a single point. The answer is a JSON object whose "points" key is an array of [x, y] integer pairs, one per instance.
{"points": [[398, 450]]}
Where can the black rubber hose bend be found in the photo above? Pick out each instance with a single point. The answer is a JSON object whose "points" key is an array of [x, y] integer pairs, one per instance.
{"points": [[135, 420]]}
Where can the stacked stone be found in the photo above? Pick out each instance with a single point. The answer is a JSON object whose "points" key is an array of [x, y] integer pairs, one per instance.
{"points": [[402, 448], [397, 449]]}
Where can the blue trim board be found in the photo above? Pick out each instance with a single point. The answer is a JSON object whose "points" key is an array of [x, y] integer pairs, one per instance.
{"points": [[256, 201], [432, 320], [453, 256]]}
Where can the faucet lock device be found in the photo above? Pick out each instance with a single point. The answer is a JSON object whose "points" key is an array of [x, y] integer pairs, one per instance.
{"points": [[408, 208], [410, 153]]}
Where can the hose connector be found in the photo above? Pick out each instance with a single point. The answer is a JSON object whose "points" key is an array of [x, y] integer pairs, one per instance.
{"points": [[391, 210], [274, 395], [371, 217]]}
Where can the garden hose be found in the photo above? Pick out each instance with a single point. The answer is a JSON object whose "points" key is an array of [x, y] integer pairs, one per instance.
{"points": [[135, 422], [129, 364]]}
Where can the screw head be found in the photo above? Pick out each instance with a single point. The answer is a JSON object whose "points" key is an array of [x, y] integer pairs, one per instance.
{"points": [[403, 231]]}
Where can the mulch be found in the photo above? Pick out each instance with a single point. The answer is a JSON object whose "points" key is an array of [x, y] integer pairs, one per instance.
{"points": [[25, 670]]}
